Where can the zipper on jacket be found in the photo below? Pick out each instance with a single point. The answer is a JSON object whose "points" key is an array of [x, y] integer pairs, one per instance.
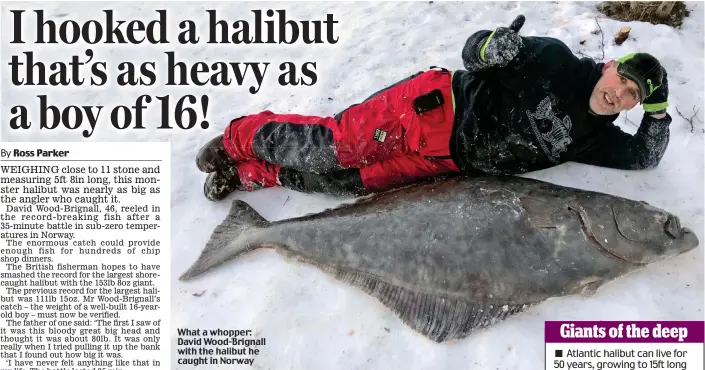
{"points": [[436, 157]]}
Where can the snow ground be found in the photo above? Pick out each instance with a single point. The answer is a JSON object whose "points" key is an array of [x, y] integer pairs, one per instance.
{"points": [[312, 321]]}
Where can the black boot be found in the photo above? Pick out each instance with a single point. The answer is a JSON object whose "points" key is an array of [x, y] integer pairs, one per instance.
{"points": [[220, 184], [212, 156]]}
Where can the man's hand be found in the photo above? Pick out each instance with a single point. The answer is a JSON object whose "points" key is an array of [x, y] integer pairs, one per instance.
{"points": [[657, 102], [503, 44]]}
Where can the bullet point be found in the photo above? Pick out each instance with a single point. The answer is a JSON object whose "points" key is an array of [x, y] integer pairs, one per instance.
{"points": [[559, 353]]}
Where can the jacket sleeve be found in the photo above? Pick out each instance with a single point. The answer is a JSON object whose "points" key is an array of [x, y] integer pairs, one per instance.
{"points": [[617, 149], [539, 58]]}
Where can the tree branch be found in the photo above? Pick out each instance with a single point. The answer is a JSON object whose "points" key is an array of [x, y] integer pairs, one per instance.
{"points": [[690, 120], [626, 119], [602, 42]]}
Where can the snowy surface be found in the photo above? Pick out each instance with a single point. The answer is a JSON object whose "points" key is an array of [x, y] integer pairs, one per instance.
{"points": [[312, 321]]}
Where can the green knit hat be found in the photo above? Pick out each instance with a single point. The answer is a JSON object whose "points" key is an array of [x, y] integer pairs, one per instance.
{"points": [[644, 70]]}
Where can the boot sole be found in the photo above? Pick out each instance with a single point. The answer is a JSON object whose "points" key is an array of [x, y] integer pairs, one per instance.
{"points": [[208, 158], [233, 187]]}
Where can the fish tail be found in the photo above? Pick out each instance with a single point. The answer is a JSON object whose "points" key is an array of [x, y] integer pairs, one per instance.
{"points": [[230, 239]]}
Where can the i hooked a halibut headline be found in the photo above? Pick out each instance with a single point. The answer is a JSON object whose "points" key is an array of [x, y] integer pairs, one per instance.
{"points": [[106, 53]]}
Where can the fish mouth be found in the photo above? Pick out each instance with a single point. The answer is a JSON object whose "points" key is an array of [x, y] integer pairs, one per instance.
{"points": [[629, 253], [690, 238], [672, 228]]}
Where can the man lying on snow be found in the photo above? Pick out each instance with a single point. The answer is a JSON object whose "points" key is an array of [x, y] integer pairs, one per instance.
{"points": [[523, 104]]}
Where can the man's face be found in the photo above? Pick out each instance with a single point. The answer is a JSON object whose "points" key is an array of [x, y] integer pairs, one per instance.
{"points": [[613, 93]]}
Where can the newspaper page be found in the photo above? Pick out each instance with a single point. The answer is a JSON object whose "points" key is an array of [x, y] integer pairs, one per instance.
{"points": [[351, 185]]}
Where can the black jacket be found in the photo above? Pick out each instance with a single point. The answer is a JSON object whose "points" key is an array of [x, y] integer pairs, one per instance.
{"points": [[534, 114]]}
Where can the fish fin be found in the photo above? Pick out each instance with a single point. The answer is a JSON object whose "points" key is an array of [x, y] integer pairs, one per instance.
{"points": [[228, 239], [437, 318], [541, 213]]}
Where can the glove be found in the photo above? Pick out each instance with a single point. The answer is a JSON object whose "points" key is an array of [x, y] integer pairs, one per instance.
{"points": [[657, 102], [503, 44]]}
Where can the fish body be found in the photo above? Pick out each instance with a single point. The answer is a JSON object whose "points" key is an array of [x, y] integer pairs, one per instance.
{"points": [[453, 256]]}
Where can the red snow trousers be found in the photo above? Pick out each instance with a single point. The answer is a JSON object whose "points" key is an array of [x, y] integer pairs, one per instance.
{"points": [[397, 136]]}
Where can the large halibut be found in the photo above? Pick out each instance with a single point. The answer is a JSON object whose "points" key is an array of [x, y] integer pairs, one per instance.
{"points": [[453, 256]]}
